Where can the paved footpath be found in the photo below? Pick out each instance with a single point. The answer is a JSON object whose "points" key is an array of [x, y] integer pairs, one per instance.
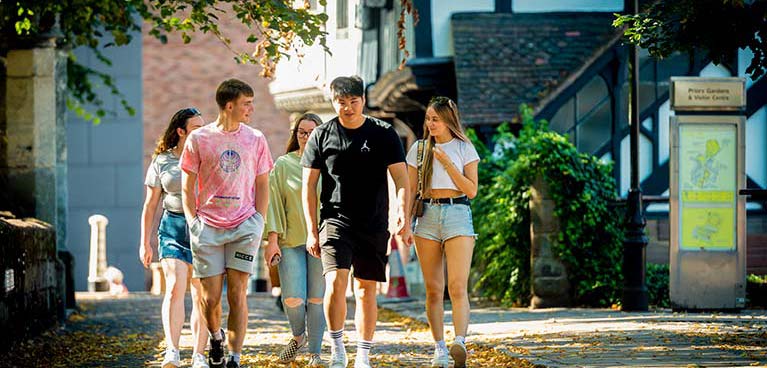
{"points": [[127, 332], [608, 338]]}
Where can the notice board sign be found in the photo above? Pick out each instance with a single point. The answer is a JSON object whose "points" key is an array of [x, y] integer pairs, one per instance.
{"points": [[708, 188]]}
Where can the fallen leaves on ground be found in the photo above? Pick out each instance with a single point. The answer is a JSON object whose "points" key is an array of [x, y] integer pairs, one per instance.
{"points": [[61, 348]]}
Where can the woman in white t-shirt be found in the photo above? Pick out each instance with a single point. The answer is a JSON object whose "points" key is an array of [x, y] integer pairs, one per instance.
{"points": [[448, 179], [163, 184]]}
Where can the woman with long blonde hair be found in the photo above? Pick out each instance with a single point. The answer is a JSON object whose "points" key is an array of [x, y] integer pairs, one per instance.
{"points": [[445, 162]]}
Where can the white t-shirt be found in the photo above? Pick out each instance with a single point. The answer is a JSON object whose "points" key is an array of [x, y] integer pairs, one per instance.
{"points": [[460, 152]]}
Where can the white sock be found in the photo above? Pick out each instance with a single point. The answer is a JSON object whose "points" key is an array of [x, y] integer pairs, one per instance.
{"points": [[216, 335], [440, 345], [235, 357], [338, 342], [363, 351], [461, 340]]}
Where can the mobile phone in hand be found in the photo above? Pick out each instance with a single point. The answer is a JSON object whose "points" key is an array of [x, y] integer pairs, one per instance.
{"points": [[275, 260]]}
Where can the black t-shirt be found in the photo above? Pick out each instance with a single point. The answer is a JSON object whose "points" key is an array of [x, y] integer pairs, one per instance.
{"points": [[353, 164]]}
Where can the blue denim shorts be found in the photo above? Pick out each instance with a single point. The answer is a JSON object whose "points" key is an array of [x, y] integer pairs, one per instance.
{"points": [[441, 222], [173, 236]]}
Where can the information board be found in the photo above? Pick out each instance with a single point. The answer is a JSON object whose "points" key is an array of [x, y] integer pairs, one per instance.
{"points": [[708, 155]]}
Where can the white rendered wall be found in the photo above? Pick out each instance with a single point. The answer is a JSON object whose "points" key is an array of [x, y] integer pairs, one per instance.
{"points": [[441, 11], [317, 68], [756, 149]]}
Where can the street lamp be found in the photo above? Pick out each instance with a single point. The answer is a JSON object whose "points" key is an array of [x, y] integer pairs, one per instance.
{"points": [[634, 296]]}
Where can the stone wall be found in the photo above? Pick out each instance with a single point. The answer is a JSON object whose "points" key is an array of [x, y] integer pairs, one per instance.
{"points": [[32, 293], [550, 286]]}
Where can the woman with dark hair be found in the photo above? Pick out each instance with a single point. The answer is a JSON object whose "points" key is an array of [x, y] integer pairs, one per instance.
{"points": [[302, 284], [163, 182], [443, 170]]}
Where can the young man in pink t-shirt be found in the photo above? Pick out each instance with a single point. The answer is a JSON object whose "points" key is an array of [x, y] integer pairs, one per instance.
{"points": [[225, 192]]}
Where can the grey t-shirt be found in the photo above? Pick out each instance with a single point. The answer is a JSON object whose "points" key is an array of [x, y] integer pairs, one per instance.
{"points": [[164, 172]]}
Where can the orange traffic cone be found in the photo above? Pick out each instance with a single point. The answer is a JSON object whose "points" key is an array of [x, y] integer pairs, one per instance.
{"points": [[397, 286]]}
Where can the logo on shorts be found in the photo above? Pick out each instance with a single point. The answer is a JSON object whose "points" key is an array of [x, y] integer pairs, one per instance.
{"points": [[243, 256], [365, 147], [229, 161]]}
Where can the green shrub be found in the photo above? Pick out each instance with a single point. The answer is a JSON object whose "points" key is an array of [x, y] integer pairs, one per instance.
{"points": [[756, 291], [657, 285], [589, 242]]}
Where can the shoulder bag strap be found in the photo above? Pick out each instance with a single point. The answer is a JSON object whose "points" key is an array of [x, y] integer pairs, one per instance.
{"points": [[419, 193]]}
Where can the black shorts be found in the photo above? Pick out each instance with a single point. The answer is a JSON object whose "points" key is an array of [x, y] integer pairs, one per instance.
{"points": [[344, 246]]}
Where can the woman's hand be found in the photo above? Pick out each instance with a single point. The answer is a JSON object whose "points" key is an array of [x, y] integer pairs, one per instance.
{"points": [[145, 254], [271, 250], [443, 158]]}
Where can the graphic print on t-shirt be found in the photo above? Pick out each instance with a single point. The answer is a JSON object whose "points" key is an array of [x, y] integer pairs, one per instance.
{"points": [[229, 161]]}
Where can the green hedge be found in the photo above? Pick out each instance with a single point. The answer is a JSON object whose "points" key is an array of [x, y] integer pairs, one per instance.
{"points": [[582, 188]]}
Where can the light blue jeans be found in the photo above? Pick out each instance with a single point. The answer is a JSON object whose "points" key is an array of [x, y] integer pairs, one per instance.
{"points": [[301, 277]]}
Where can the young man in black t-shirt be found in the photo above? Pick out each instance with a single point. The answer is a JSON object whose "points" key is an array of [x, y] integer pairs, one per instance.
{"points": [[352, 153]]}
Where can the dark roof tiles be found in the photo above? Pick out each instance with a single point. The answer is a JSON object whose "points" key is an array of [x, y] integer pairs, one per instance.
{"points": [[503, 60]]}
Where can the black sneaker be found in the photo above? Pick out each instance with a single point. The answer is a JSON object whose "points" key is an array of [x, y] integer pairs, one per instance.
{"points": [[232, 364], [216, 353]]}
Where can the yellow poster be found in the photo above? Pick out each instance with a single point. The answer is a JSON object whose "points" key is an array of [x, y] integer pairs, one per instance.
{"points": [[711, 228], [708, 186]]}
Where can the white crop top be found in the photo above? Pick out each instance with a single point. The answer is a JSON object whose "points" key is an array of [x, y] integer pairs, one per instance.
{"points": [[460, 152]]}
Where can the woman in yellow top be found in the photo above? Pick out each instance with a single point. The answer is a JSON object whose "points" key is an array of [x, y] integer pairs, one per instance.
{"points": [[301, 281]]}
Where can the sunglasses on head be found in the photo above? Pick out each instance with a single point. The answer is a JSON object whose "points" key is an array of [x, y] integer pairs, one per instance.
{"points": [[192, 110], [442, 100]]}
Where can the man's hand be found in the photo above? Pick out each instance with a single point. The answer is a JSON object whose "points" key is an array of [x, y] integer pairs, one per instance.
{"points": [[313, 244]]}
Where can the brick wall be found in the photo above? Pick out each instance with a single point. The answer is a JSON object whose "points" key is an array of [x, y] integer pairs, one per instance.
{"points": [[176, 75]]}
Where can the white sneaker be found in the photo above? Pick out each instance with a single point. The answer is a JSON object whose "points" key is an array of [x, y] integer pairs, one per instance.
{"points": [[315, 361], [359, 364], [440, 359], [458, 352], [338, 360], [172, 359], [198, 361]]}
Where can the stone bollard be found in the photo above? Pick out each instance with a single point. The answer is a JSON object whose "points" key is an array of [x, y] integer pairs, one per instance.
{"points": [[97, 264], [550, 286]]}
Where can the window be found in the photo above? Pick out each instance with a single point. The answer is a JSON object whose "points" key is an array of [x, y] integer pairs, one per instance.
{"points": [[587, 117], [342, 19]]}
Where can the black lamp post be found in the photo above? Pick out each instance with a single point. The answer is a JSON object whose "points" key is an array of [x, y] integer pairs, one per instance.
{"points": [[634, 242]]}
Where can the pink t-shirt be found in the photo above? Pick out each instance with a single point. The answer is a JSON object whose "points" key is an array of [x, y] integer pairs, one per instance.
{"points": [[226, 164]]}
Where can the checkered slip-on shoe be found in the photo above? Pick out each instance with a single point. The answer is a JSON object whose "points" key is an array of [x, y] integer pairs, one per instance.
{"points": [[289, 352]]}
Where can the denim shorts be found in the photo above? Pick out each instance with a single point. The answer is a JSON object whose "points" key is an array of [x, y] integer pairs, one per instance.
{"points": [[441, 222], [173, 236]]}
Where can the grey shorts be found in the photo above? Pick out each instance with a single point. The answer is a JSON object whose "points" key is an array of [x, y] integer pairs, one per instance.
{"points": [[214, 250]]}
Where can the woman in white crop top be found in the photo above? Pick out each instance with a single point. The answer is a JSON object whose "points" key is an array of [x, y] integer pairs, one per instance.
{"points": [[448, 173]]}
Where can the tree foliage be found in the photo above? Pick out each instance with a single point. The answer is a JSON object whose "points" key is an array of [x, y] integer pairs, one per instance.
{"points": [[275, 27], [583, 190], [718, 27]]}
